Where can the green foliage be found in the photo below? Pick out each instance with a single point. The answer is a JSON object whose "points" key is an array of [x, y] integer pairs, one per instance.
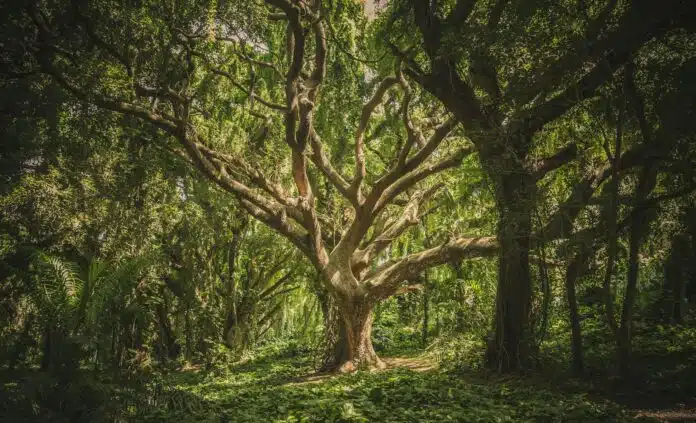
{"points": [[267, 389], [145, 293]]}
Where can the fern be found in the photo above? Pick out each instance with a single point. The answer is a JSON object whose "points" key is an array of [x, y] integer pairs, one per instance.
{"points": [[59, 288]]}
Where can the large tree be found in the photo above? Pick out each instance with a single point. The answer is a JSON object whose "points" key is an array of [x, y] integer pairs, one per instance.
{"points": [[507, 69], [240, 88]]}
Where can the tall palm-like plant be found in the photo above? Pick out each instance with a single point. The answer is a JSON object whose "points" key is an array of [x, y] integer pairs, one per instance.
{"points": [[74, 301]]}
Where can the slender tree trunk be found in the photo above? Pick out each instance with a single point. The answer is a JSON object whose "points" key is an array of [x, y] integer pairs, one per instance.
{"points": [[513, 343], [426, 313], [612, 215], [230, 287], [679, 296], [690, 271], [188, 330], [460, 317], [624, 335], [575, 270], [640, 222], [170, 346], [113, 343], [675, 281], [47, 350]]}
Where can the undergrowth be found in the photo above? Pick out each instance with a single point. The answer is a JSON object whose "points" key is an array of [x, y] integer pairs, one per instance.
{"points": [[272, 386]]}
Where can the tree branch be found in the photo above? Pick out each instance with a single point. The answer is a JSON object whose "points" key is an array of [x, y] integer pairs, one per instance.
{"points": [[412, 178], [365, 116], [409, 216], [561, 222], [281, 225], [322, 162], [460, 13], [634, 32], [541, 167], [282, 280], [229, 77], [387, 278]]}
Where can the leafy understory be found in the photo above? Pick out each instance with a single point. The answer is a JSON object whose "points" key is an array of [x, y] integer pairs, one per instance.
{"points": [[277, 389]]}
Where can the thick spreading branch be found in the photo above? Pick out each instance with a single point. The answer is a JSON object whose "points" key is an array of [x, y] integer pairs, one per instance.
{"points": [[460, 13], [587, 48], [387, 278]]}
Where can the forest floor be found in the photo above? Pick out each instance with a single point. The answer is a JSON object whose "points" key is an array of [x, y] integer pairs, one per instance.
{"points": [[283, 388], [279, 385]]}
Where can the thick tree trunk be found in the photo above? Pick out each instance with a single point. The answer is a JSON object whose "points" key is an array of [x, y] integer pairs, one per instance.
{"points": [[239, 325], [354, 349], [512, 347], [348, 328]]}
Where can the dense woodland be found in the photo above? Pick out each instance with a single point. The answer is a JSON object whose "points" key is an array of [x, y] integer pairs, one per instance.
{"points": [[337, 211]]}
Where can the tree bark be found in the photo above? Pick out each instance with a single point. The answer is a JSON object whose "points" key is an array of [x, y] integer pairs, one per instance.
{"points": [[460, 318], [426, 314], [675, 281], [355, 341], [238, 335], [46, 350], [575, 270], [640, 222], [230, 297], [333, 341], [612, 215], [625, 331], [512, 347], [188, 331], [169, 344]]}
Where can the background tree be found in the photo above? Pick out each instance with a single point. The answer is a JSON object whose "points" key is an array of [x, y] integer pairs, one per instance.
{"points": [[462, 56]]}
